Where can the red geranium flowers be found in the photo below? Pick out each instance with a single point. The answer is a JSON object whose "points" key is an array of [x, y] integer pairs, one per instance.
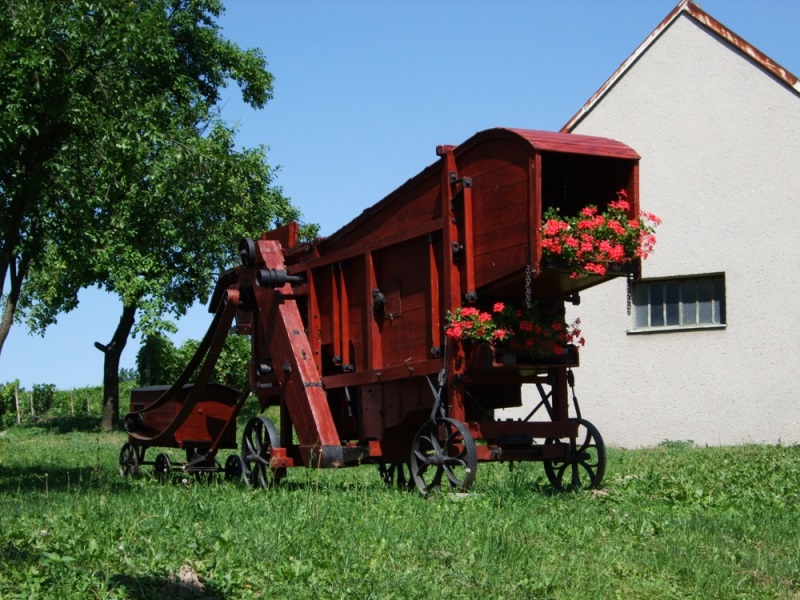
{"points": [[592, 240]]}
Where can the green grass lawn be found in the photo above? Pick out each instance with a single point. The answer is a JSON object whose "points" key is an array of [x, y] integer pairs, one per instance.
{"points": [[670, 522]]}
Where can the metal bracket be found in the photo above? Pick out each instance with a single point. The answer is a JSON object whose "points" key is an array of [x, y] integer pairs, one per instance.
{"points": [[454, 180], [458, 251]]}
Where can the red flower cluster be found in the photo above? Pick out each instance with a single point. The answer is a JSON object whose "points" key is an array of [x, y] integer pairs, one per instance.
{"points": [[468, 323], [542, 334], [591, 241]]}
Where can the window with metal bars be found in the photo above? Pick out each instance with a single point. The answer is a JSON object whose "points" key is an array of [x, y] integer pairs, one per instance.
{"points": [[679, 303]]}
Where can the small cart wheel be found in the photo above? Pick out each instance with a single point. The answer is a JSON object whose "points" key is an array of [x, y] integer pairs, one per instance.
{"points": [[235, 470], [445, 449], [259, 438], [162, 468], [396, 474], [128, 461], [585, 463]]}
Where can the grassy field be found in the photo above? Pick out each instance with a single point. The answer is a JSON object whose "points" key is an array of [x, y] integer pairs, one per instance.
{"points": [[671, 522]]}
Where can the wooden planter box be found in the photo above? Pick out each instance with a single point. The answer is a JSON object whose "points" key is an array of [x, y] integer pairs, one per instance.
{"points": [[489, 356]]}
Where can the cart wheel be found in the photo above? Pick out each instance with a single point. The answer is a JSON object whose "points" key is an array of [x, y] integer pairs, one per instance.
{"points": [[585, 464], [443, 448], [258, 440], [128, 461], [235, 470], [396, 474], [162, 468]]}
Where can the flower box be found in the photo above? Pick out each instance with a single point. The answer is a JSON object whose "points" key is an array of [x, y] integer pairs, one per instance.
{"points": [[489, 356], [614, 269], [595, 243]]}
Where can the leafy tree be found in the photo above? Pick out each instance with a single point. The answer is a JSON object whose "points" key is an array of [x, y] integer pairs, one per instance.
{"points": [[115, 168], [159, 362]]}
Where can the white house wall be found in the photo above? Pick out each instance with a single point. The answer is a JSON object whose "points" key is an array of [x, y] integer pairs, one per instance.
{"points": [[720, 146]]}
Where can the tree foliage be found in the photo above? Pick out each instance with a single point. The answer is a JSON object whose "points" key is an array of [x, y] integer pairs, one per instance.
{"points": [[115, 167], [160, 362]]}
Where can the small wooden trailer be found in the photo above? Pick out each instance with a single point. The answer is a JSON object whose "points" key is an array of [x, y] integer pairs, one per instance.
{"points": [[353, 334]]}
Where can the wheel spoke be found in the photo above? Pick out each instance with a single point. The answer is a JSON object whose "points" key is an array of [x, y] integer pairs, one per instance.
{"points": [[455, 481], [422, 458], [436, 482], [589, 470], [576, 475], [433, 441]]}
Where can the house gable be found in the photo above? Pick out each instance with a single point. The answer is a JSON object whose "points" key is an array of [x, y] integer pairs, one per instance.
{"points": [[692, 11]]}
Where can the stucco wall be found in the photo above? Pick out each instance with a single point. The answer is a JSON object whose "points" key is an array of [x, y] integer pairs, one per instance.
{"points": [[720, 146]]}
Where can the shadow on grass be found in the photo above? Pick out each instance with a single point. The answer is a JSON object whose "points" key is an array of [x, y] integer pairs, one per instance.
{"points": [[147, 587]]}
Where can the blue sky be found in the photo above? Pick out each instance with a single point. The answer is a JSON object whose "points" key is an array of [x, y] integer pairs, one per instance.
{"points": [[365, 91]]}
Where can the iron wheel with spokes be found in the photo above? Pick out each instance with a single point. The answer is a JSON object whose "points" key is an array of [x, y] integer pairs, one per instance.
{"points": [[259, 438], [585, 463], [128, 461], [444, 452], [162, 468]]}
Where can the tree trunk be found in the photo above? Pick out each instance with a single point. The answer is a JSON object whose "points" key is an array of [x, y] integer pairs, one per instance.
{"points": [[112, 352], [18, 274]]}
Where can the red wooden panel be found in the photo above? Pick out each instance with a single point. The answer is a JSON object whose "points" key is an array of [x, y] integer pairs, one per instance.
{"points": [[496, 265], [201, 426], [408, 342], [354, 278], [501, 204], [412, 205], [324, 300], [403, 277], [371, 407], [402, 398]]}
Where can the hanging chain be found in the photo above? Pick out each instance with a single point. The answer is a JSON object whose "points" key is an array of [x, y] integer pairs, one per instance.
{"points": [[528, 287], [630, 293]]}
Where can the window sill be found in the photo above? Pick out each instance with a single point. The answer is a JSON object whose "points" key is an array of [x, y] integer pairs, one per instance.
{"points": [[676, 328]]}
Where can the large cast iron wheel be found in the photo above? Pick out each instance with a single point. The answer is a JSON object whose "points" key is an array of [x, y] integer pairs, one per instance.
{"points": [[259, 438], [162, 468], [443, 452], [128, 461], [396, 474], [585, 463]]}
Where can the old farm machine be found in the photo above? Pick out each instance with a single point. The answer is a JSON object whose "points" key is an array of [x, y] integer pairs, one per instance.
{"points": [[349, 335]]}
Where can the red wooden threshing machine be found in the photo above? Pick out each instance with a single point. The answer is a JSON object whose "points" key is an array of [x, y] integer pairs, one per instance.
{"points": [[348, 332]]}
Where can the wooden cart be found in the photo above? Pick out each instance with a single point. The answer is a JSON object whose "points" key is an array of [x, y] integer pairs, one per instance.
{"points": [[349, 332]]}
